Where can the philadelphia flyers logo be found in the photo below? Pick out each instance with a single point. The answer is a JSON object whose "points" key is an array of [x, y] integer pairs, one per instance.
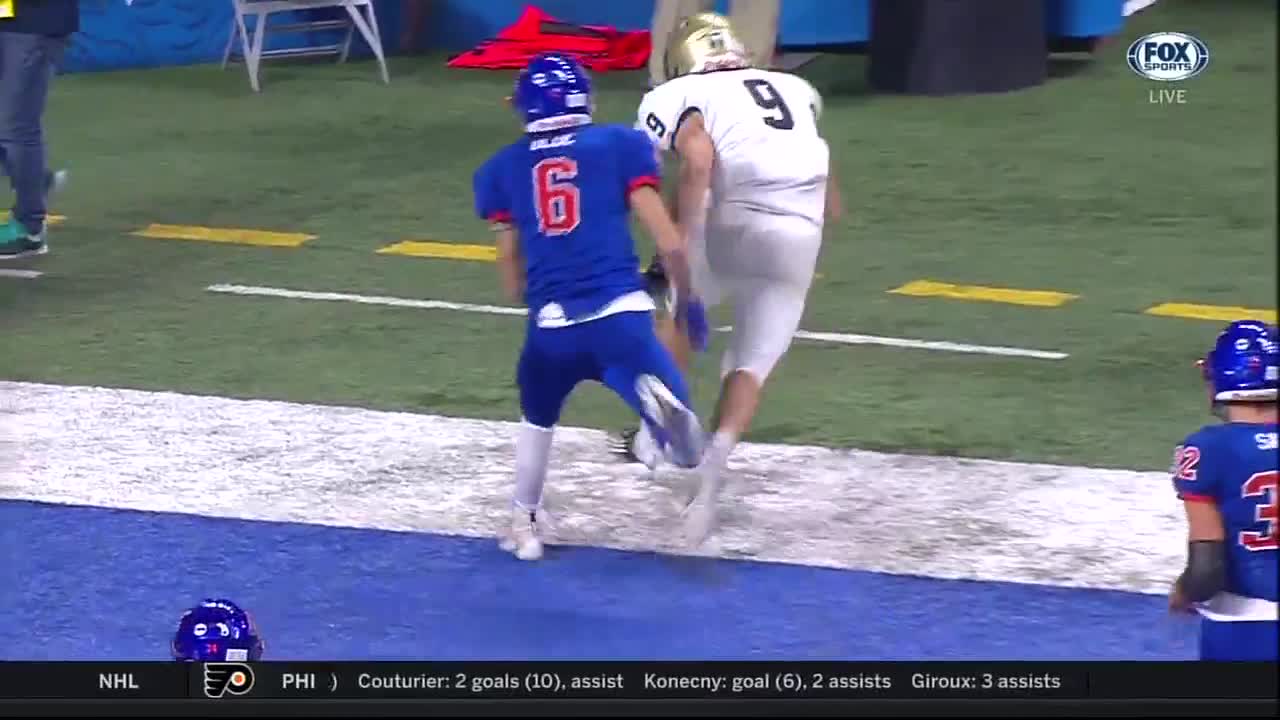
{"points": [[227, 679]]}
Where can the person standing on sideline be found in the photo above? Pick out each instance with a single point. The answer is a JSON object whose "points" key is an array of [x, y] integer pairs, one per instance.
{"points": [[755, 21], [33, 37]]}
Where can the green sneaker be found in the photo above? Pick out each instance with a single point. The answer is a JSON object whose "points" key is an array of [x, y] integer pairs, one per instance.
{"points": [[16, 241]]}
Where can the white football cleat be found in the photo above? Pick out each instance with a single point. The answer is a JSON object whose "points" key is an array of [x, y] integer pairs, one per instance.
{"points": [[685, 441], [645, 448], [522, 538]]}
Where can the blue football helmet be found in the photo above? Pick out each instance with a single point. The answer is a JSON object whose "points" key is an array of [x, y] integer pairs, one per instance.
{"points": [[1244, 364], [217, 631], [553, 92]]}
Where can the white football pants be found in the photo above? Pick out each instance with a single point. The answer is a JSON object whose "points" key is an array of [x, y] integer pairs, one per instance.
{"points": [[763, 264]]}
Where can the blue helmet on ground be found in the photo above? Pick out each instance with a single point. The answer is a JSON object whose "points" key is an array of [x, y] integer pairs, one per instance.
{"points": [[1244, 364], [216, 631], [553, 92]]}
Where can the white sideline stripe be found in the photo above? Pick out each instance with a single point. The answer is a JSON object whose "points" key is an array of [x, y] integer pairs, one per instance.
{"points": [[396, 471], [853, 339], [944, 345], [840, 338], [24, 274], [364, 299]]}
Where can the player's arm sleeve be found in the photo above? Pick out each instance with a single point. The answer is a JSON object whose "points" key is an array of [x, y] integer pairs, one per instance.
{"points": [[659, 115], [1193, 477], [492, 201], [638, 161]]}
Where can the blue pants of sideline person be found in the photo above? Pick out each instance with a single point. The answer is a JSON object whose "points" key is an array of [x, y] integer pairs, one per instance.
{"points": [[28, 63]]}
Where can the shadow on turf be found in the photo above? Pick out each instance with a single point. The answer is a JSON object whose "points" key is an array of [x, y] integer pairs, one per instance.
{"points": [[1068, 66]]}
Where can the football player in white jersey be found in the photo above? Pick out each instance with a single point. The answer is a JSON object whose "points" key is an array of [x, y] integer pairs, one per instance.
{"points": [[754, 188]]}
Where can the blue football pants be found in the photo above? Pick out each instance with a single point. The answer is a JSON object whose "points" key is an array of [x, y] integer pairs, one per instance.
{"points": [[613, 350], [1239, 641]]}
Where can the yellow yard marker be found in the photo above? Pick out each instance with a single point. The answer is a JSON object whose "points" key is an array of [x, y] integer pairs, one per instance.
{"points": [[233, 236], [1221, 313], [446, 251], [49, 219], [1036, 298]]}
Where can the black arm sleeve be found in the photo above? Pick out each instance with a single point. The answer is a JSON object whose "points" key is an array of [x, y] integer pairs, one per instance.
{"points": [[1206, 573]]}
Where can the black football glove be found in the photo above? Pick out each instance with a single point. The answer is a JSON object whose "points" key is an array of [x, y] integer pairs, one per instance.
{"points": [[655, 280]]}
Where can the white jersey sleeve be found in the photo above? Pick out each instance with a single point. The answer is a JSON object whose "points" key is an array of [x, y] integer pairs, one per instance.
{"points": [[660, 112]]}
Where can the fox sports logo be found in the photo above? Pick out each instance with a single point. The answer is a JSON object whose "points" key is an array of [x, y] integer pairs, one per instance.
{"points": [[1168, 56]]}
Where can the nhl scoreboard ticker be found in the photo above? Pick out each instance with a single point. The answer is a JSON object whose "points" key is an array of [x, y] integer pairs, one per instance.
{"points": [[636, 680]]}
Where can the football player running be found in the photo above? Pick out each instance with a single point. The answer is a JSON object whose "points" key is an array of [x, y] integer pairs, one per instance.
{"points": [[1225, 474], [559, 200], [754, 187]]}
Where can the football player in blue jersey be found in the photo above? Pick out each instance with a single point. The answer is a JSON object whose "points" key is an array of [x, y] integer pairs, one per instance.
{"points": [[559, 200], [216, 631], [1226, 475]]}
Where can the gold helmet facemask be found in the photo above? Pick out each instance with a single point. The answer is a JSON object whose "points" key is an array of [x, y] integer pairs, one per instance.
{"points": [[702, 42]]}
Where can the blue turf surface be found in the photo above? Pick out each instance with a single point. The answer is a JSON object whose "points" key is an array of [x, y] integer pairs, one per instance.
{"points": [[90, 583]]}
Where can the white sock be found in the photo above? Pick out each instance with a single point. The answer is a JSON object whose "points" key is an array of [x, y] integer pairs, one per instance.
{"points": [[533, 455], [718, 449]]}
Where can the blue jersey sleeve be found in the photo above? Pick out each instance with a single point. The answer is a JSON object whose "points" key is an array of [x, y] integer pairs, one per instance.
{"points": [[492, 200], [1194, 477], [638, 160]]}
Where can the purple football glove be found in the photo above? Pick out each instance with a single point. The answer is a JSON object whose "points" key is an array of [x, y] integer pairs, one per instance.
{"points": [[692, 316]]}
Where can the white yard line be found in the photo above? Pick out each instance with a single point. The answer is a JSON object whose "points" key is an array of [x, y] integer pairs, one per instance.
{"points": [[352, 467], [840, 338], [258, 291], [22, 274]]}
